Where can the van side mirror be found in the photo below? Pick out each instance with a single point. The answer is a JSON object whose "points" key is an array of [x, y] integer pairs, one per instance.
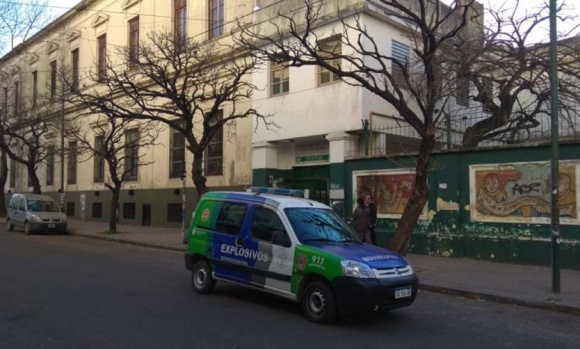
{"points": [[281, 238]]}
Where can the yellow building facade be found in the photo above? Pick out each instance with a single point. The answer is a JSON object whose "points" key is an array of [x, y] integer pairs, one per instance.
{"points": [[77, 41]]}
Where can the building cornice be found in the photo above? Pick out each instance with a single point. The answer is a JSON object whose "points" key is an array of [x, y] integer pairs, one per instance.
{"points": [[129, 3]]}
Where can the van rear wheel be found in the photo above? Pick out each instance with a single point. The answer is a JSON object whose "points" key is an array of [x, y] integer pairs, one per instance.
{"points": [[318, 303], [9, 226], [201, 277]]}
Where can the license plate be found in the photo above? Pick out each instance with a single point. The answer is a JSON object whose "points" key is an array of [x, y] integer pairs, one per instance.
{"points": [[403, 292], [51, 225]]}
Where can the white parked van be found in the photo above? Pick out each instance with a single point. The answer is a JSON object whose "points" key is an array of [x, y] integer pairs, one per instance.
{"points": [[34, 212]]}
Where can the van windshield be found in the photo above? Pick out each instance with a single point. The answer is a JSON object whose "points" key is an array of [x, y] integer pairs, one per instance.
{"points": [[318, 225], [42, 206]]}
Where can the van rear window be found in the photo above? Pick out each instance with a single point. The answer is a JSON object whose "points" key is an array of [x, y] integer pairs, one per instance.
{"points": [[230, 218], [221, 216]]}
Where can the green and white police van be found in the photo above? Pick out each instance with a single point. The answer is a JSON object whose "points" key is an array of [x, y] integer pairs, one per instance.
{"points": [[295, 248]]}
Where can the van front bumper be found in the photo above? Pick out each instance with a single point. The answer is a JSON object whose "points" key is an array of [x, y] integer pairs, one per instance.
{"points": [[47, 226], [360, 295]]}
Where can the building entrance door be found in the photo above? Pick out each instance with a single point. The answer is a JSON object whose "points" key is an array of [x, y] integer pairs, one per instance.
{"points": [[317, 189], [315, 179], [146, 218]]}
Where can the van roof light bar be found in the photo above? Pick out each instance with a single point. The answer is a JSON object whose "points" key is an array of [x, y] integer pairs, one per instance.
{"points": [[277, 191]]}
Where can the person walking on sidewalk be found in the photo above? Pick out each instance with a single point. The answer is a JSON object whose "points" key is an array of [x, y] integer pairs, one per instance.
{"points": [[373, 214], [362, 221]]}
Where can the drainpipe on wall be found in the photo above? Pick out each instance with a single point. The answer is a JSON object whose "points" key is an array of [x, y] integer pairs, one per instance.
{"points": [[62, 207], [365, 124], [448, 124], [183, 202]]}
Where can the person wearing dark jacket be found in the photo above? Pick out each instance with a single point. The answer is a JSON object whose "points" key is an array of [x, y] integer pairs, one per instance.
{"points": [[373, 213], [362, 221]]}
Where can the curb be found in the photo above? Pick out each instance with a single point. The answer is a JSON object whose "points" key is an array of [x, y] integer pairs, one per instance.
{"points": [[426, 287], [129, 242], [501, 299]]}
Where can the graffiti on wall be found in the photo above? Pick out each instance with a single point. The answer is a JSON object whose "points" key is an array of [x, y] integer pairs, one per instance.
{"points": [[391, 190], [231, 131], [521, 192]]}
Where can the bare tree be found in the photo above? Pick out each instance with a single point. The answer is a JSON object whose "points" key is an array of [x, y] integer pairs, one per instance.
{"points": [[194, 88], [116, 142], [24, 137], [4, 114], [18, 21], [510, 73], [413, 86]]}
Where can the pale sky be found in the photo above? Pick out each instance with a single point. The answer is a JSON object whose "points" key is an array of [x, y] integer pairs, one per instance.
{"points": [[544, 35]]}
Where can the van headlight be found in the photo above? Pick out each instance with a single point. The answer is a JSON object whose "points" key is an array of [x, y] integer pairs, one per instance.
{"points": [[410, 268], [35, 217], [356, 269], [63, 217]]}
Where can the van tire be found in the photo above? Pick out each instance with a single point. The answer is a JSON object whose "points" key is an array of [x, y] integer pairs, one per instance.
{"points": [[9, 226], [319, 303], [201, 277], [26, 228]]}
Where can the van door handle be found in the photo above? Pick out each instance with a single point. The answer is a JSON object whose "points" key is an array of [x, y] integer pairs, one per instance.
{"points": [[240, 242]]}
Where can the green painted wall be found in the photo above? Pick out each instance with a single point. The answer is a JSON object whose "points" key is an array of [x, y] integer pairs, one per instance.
{"points": [[312, 172], [452, 233]]}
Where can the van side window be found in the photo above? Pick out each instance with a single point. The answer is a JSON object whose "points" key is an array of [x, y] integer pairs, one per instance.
{"points": [[264, 222], [230, 218]]}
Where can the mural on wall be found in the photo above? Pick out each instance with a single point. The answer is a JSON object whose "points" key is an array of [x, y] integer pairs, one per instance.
{"points": [[520, 192], [391, 190]]}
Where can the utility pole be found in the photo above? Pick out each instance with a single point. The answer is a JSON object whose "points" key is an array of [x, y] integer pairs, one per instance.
{"points": [[62, 149], [555, 159], [183, 232]]}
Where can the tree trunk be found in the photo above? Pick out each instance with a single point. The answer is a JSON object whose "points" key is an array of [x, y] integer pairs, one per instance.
{"points": [[114, 208], [197, 174], [36, 188], [3, 180], [418, 199]]}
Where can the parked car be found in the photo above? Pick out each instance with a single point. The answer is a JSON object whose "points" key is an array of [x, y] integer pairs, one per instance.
{"points": [[35, 213], [294, 248]]}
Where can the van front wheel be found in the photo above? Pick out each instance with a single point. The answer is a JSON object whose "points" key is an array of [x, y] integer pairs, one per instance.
{"points": [[318, 303], [201, 278], [27, 228]]}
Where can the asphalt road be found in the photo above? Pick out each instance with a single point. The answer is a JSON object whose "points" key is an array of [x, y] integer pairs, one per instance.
{"points": [[74, 292]]}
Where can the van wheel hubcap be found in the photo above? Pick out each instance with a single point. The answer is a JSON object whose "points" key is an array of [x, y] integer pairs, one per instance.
{"points": [[200, 277], [317, 302]]}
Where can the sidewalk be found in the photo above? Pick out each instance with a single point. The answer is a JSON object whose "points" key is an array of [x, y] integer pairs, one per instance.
{"points": [[507, 283]]}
